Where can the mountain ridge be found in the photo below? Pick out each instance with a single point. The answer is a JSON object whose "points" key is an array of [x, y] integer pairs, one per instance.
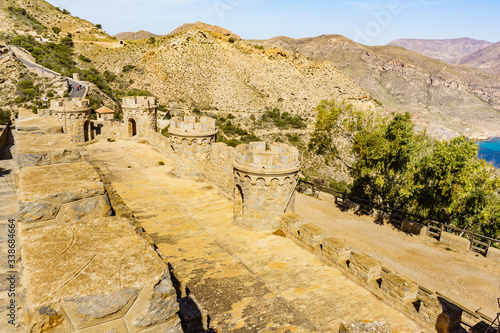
{"points": [[445, 99]]}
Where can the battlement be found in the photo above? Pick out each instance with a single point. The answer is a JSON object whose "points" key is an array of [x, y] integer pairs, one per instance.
{"points": [[139, 102], [69, 105], [254, 158], [192, 126]]}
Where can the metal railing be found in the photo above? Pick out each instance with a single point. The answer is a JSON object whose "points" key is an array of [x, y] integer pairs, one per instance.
{"points": [[478, 243]]}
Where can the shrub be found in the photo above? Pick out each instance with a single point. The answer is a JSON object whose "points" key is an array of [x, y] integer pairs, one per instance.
{"points": [[138, 92], [231, 40], [98, 26], [127, 68], [56, 30], [4, 117], [284, 120], [151, 40], [68, 41], [83, 58]]}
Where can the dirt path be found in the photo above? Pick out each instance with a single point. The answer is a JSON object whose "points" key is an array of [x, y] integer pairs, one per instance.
{"points": [[468, 275]]}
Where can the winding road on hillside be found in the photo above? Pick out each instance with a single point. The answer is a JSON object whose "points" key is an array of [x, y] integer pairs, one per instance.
{"points": [[74, 91]]}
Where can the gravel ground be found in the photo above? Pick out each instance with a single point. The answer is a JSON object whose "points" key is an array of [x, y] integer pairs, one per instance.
{"points": [[468, 275]]}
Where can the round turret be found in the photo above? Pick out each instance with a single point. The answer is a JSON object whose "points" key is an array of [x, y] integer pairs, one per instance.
{"points": [[74, 115], [139, 113], [191, 139], [265, 182]]}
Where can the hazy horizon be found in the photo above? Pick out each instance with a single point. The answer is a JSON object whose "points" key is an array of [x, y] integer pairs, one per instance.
{"points": [[371, 22]]}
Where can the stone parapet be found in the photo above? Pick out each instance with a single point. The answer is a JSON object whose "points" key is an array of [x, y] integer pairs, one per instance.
{"points": [[437, 310], [139, 114], [96, 275], [142, 103], [191, 140], [74, 116], [265, 182], [46, 150], [69, 105], [191, 127], [56, 194]]}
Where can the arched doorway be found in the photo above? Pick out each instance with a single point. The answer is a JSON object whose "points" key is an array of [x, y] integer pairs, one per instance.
{"points": [[86, 130], [132, 127], [238, 202]]}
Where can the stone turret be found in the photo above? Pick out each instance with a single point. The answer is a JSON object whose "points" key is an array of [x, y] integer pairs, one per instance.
{"points": [[191, 140], [265, 182], [74, 115], [139, 114]]}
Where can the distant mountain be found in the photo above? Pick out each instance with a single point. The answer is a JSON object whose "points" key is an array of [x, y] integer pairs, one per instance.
{"points": [[449, 50], [187, 26], [487, 58], [132, 35], [446, 99], [204, 26]]}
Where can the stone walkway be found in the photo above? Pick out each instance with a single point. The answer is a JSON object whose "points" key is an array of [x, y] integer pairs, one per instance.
{"points": [[8, 210], [246, 281]]}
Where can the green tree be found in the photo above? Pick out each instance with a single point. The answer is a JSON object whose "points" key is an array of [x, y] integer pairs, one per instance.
{"points": [[56, 30], [455, 186]]}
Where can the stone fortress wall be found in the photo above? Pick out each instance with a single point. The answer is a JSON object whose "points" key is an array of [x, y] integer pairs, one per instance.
{"points": [[84, 268], [265, 182], [191, 141], [262, 183]]}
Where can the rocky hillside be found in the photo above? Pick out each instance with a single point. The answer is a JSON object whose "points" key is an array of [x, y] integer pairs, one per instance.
{"points": [[448, 50], [446, 99], [39, 18], [134, 35], [487, 59], [206, 27], [210, 71]]}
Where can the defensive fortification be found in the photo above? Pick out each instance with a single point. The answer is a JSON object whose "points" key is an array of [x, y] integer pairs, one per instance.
{"points": [[264, 184], [139, 113], [191, 140], [74, 116]]}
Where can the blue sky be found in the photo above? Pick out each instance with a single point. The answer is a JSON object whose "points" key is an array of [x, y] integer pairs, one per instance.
{"points": [[372, 22]]}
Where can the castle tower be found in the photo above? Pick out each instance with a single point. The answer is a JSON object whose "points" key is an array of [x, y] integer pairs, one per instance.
{"points": [[264, 182], [139, 114], [191, 140], [74, 115]]}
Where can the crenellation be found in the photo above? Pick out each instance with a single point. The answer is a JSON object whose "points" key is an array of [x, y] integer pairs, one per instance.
{"points": [[139, 114], [74, 116], [265, 182], [191, 140]]}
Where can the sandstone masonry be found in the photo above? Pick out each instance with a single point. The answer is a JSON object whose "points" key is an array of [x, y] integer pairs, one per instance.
{"points": [[74, 116], [264, 184], [139, 113]]}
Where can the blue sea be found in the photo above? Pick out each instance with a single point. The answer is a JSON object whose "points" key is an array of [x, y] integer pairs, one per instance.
{"points": [[490, 151]]}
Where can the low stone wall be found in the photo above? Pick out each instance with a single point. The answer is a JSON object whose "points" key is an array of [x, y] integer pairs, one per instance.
{"points": [[435, 309], [95, 275], [219, 167], [159, 142], [55, 194], [37, 125], [4, 131], [46, 150]]}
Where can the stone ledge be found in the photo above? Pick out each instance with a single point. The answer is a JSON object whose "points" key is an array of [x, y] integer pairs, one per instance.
{"points": [[46, 150], [455, 241], [96, 274]]}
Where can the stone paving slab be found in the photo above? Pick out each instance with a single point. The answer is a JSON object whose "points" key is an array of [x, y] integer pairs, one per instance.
{"points": [[247, 281]]}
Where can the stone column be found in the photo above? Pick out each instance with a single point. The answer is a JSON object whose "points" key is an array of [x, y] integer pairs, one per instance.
{"points": [[191, 140], [139, 114], [264, 184], [74, 116]]}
